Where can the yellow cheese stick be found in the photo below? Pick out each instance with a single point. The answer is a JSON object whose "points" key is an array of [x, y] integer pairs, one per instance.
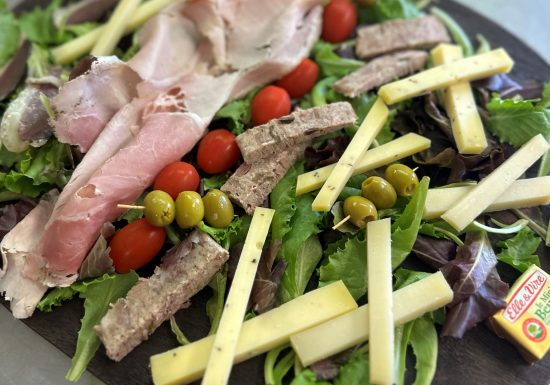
{"points": [[114, 29], [397, 149], [370, 127], [352, 328], [223, 351], [381, 344], [495, 184], [260, 334], [522, 193], [461, 106], [471, 68], [81, 45]]}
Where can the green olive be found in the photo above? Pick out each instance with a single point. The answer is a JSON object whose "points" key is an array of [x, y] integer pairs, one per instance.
{"points": [[379, 191], [189, 209], [218, 210], [159, 208], [360, 210], [402, 178]]}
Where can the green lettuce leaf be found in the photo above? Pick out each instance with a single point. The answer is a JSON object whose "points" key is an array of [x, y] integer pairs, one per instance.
{"points": [[458, 34], [307, 377], [180, 336], [405, 228], [38, 170], [404, 277], [395, 9], [98, 294], [423, 340], [355, 371], [55, 298], [301, 252], [215, 181], [520, 251], [232, 234], [275, 368], [9, 37], [516, 121], [283, 201], [214, 306], [237, 113], [330, 64], [545, 101]]}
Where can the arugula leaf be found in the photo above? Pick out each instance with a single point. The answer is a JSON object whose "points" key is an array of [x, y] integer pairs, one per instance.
{"points": [[355, 371], [300, 249], [9, 37], [405, 228], [330, 63], [349, 264], [98, 295], [520, 250], [307, 377], [238, 113], [182, 339], [38, 170], [283, 201], [516, 121], [395, 9], [234, 233], [214, 306]]}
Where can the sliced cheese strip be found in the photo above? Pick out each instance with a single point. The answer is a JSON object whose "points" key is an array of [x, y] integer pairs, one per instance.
{"points": [[522, 193], [495, 184], [370, 127], [397, 149], [461, 107], [471, 68], [114, 29], [223, 350], [381, 344], [185, 364], [350, 329]]}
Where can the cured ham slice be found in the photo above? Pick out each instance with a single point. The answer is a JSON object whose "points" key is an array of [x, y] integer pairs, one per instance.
{"points": [[85, 104], [24, 293]]}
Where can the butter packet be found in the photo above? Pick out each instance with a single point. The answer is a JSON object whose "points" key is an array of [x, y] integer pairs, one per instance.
{"points": [[525, 320]]}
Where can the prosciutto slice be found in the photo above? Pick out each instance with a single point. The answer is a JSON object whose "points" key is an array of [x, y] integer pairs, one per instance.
{"points": [[85, 104]]}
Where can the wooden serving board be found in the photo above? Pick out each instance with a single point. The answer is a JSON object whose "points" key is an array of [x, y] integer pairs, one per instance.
{"points": [[479, 358]]}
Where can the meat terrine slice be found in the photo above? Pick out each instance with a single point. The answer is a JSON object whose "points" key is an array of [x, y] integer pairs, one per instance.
{"points": [[184, 271], [395, 35], [380, 71]]}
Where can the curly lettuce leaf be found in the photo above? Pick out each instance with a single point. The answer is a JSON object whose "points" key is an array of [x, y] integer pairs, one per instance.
{"points": [[230, 235], [38, 170], [516, 121], [520, 250], [55, 298], [300, 249], [237, 113]]}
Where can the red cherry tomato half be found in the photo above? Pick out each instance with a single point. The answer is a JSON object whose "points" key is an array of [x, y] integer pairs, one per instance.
{"points": [[135, 245], [270, 103], [218, 151], [177, 177], [339, 20], [301, 80]]}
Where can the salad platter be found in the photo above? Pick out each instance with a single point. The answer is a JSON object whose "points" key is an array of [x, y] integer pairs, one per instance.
{"points": [[480, 357]]}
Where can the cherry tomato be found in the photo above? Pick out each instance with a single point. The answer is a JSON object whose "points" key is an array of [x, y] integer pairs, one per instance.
{"points": [[218, 151], [301, 80], [135, 245], [339, 20], [177, 177], [270, 103]]}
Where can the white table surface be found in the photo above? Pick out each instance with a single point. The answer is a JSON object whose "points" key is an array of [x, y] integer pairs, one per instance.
{"points": [[28, 359]]}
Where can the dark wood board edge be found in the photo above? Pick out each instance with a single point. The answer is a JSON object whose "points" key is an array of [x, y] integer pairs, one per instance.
{"points": [[479, 358]]}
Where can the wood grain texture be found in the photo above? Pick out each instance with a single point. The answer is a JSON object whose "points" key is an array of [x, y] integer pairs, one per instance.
{"points": [[479, 358]]}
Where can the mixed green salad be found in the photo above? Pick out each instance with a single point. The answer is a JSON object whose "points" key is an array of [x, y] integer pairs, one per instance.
{"points": [[305, 251]]}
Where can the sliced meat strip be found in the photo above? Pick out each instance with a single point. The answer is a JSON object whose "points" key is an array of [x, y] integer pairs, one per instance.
{"points": [[184, 271], [24, 293], [380, 71], [299, 127], [395, 35], [85, 104], [251, 184]]}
